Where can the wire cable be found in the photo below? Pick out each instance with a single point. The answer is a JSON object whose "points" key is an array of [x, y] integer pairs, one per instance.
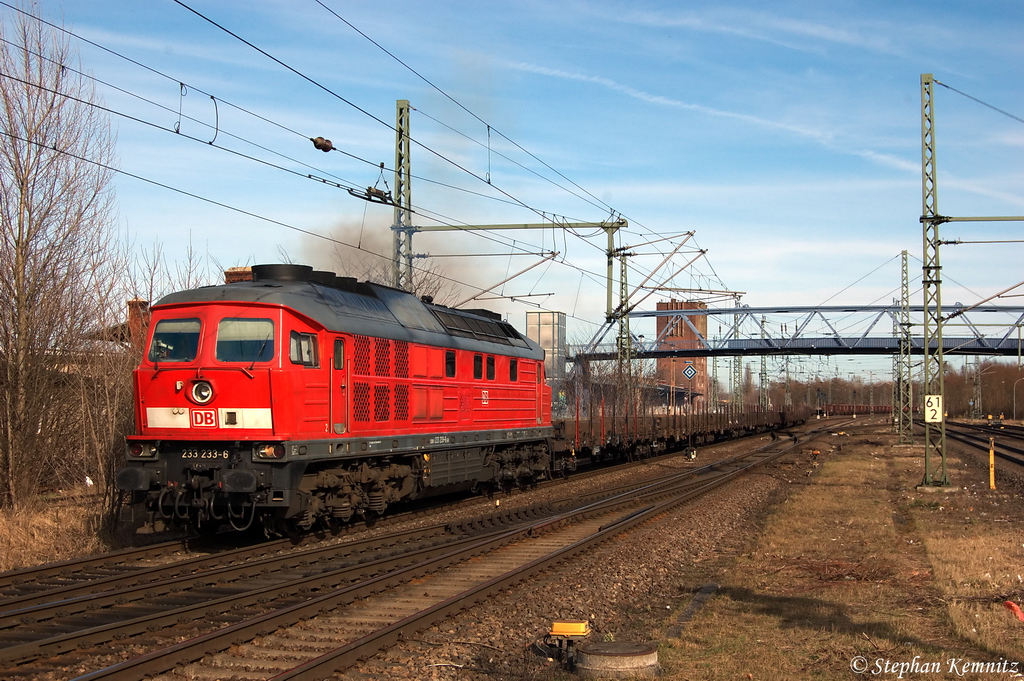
{"points": [[326, 89], [459, 104], [964, 94], [435, 216], [186, 86], [235, 209], [491, 150], [512, 200], [176, 131], [216, 99]]}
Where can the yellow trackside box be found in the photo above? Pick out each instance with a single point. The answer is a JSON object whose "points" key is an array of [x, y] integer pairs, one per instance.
{"points": [[570, 628]]}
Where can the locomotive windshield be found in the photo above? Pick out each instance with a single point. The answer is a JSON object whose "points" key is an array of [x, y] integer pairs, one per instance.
{"points": [[245, 340], [175, 340]]}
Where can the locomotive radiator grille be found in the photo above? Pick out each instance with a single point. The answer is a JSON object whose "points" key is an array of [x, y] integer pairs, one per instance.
{"points": [[382, 402], [381, 357], [401, 359], [362, 355], [361, 402], [401, 402]]}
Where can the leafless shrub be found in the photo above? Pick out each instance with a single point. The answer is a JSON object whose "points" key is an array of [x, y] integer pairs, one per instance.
{"points": [[62, 385]]}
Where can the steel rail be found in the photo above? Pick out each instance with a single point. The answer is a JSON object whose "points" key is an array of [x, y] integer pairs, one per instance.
{"points": [[80, 599], [350, 654], [189, 651], [1010, 453], [92, 598], [76, 565], [149, 622], [31, 580]]}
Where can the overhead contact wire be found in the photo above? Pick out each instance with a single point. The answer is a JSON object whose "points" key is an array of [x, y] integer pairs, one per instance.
{"points": [[459, 104], [596, 277], [986, 104], [347, 183], [358, 108], [176, 131]]}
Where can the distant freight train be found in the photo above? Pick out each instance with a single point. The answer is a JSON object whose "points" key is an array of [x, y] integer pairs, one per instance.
{"points": [[301, 398]]}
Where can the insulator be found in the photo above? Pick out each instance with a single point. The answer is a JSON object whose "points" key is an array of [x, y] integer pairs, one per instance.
{"points": [[322, 144]]}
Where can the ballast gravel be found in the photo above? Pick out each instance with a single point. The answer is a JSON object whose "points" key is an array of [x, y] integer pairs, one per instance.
{"points": [[626, 588]]}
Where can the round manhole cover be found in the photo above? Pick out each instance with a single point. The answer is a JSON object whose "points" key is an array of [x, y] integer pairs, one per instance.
{"points": [[615, 660]]}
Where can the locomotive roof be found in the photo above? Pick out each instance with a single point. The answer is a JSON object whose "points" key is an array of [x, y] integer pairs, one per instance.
{"points": [[370, 310]]}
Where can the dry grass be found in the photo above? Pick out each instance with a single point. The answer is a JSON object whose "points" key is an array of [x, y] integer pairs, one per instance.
{"points": [[977, 550], [54, 533], [858, 563]]}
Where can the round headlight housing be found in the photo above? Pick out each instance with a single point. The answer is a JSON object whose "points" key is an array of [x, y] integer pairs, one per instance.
{"points": [[270, 451], [141, 450], [202, 392]]}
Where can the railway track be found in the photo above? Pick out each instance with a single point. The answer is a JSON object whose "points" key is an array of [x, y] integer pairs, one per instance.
{"points": [[978, 436], [82, 576], [309, 612]]}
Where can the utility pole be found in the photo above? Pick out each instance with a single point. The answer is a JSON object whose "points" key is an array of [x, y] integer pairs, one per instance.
{"points": [[902, 376], [762, 390], [871, 393], [737, 370], [402, 229], [931, 280], [977, 409], [714, 383], [624, 340], [788, 401], [934, 361]]}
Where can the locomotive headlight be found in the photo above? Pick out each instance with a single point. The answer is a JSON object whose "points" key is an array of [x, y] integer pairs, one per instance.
{"points": [[202, 392], [270, 451], [141, 450]]}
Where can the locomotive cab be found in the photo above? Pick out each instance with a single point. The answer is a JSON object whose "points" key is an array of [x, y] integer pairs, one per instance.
{"points": [[209, 434], [292, 402]]}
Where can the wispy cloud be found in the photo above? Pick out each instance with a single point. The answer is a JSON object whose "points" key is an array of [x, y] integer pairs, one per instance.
{"points": [[825, 139], [887, 160], [796, 34], [668, 101], [1012, 199]]}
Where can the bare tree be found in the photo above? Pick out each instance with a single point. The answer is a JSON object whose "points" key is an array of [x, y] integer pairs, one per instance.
{"points": [[56, 241], [428, 279]]}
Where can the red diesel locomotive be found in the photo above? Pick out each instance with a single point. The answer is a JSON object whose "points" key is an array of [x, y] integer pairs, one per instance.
{"points": [[300, 397]]}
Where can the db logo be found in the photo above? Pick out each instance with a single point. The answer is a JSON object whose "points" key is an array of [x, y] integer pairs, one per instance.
{"points": [[204, 418]]}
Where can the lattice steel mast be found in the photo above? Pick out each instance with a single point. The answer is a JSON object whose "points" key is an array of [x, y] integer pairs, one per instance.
{"points": [[762, 387], [977, 408], [931, 280], [902, 376], [402, 229]]}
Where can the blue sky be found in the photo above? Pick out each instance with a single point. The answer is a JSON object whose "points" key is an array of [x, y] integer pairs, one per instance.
{"points": [[786, 135]]}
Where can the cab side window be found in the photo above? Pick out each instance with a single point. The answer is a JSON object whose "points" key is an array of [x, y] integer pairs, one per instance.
{"points": [[302, 349], [339, 354], [478, 366]]}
